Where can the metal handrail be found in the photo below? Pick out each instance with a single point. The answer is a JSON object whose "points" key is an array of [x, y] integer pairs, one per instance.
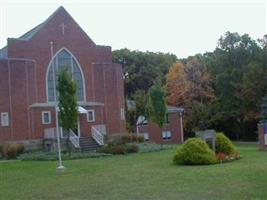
{"points": [[97, 136], [75, 140]]}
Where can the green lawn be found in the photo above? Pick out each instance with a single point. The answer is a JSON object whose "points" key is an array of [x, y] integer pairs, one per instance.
{"points": [[138, 176]]}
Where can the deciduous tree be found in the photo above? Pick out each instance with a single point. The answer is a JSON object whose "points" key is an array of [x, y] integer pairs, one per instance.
{"points": [[68, 112]]}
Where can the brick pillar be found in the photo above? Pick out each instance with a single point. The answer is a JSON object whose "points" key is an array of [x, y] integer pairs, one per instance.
{"points": [[262, 145]]}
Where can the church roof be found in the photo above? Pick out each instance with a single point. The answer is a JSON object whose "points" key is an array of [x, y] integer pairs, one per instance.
{"points": [[28, 35], [32, 32], [3, 53]]}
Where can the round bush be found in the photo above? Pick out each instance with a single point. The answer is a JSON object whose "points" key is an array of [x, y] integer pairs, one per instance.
{"points": [[194, 152], [224, 144], [132, 148]]}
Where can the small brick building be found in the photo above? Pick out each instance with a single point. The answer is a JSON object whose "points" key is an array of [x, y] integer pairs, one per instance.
{"points": [[171, 132], [27, 75]]}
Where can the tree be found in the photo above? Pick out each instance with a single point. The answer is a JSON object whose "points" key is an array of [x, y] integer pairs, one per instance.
{"points": [[141, 69], [239, 80], [200, 80], [177, 86], [157, 104], [68, 112]]}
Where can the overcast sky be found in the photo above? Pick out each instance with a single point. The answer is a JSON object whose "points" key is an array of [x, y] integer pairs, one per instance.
{"points": [[178, 26]]}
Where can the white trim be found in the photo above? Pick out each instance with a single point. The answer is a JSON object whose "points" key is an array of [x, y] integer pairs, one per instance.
{"points": [[52, 104], [49, 117], [4, 119], [78, 127], [166, 135], [21, 59], [93, 114], [49, 65], [122, 114]]}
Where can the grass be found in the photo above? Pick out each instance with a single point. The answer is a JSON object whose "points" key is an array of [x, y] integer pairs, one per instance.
{"points": [[137, 176]]}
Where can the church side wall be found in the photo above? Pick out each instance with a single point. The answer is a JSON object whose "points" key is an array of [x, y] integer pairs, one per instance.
{"points": [[5, 132], [17, 92]]}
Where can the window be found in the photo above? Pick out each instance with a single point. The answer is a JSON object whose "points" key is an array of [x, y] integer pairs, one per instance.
{"points": [[46, 117], [146, 136], [91, 116], [122, 114], [4, 119], [166, 135], [64, 60]]}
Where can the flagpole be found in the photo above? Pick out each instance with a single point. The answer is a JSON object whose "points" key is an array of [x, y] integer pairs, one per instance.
{"points": [[60, 167]]}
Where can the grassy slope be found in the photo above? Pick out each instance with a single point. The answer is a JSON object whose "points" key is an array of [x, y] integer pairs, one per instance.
{"points": [[139, 176]]}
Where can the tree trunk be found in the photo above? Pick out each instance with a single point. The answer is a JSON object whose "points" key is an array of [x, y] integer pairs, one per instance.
{"points": [[68, 144], [161, 143], [241, 128]]}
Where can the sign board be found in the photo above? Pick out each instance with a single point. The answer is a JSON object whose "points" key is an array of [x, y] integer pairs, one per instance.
{"points": [[265, 132], [208, 135], [265, 128]]}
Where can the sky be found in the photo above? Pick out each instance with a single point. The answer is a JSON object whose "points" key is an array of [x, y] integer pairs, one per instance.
{"points": [[181, 27]]}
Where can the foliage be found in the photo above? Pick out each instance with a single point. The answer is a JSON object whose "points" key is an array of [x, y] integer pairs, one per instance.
{"points": [[238, 68], [189, 85], [68, 111], [194, 152], [152, 147], [130, 120], [118, 148], [117, 139], [264, 108], [157, 105], [83, 178], [224, 144], [11, 150], [141, 69], [222, 89], [52, 156], [140, 98], [222, 157], [133, 148], [177, 86]]}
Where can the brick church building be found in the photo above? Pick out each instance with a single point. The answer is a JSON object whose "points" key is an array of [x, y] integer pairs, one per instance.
{"points": [[28, 65]]}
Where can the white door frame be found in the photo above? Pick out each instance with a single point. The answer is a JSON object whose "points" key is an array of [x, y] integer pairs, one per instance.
{"points": [[78, 126]]}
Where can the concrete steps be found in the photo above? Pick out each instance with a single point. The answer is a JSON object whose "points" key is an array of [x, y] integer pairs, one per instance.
{"points": [[88, 144]]}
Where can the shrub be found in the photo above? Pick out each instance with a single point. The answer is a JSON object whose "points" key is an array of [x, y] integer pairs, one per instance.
{"points": [[134, 138], [195, 152], [151, 147], [11, 151], [126, 138], [118, 149], [119, 139], [20, 149], [132, 148], [116, 139], [140, 138], [52, 156], [224, 144], [1, 152]]}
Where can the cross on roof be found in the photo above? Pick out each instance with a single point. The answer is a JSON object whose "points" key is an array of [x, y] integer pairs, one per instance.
{"points": [[63, 26]]}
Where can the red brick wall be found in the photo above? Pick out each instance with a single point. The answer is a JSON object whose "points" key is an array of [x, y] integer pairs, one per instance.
{"points": [[155, 134], [23, 82], [17, 93]]}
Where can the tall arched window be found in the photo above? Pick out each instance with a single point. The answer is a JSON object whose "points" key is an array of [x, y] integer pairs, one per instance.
{"points": [[65, 59]]}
